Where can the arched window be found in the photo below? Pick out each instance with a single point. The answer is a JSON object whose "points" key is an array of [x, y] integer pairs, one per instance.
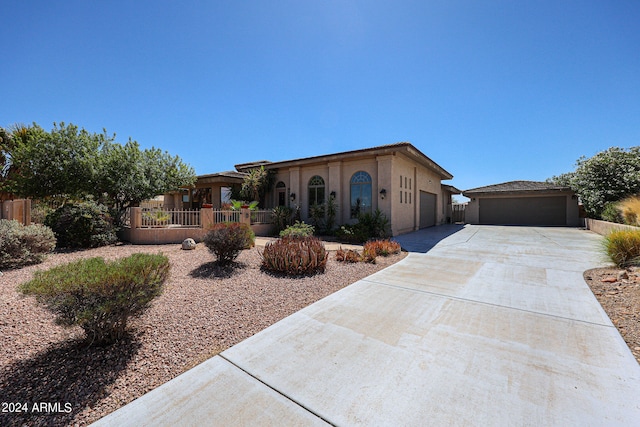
{"points": [[316, 190], [360, 193], [281, 194]]}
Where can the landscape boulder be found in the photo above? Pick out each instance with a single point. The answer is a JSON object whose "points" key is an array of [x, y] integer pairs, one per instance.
{"points": [[188, 244]]}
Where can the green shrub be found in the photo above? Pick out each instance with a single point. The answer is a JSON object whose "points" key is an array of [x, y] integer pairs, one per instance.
{"points": [[369, 226], [623, 247], [23, 245], [100, 296], [82, 225], [295, 256], [611, 213], [299, 229], [226, 240]]}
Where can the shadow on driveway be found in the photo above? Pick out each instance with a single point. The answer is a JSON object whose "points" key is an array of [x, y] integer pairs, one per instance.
{"points": [[425, 239]]}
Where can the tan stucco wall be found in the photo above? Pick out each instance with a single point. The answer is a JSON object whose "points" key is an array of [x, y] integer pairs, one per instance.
{"points": [[604, 227], [472, 211], [385, 174]]}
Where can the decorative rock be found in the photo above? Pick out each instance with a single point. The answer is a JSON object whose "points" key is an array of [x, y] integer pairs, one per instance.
{"points": [[188, 244]]}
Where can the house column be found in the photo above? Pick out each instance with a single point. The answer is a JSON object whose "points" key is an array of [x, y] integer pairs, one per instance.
{"points": [[294, 186], [335, 184], [384, 183]]}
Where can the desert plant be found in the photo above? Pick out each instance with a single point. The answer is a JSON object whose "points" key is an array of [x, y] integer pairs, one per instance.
{"points": [[351, 255], [332, 211], [384, 247], [623, 247], [630, 210], [295, 256], [23, 245], [316, 215], [226, 240], [282, 217], [299, 229], [100, 296], [82, 225]]}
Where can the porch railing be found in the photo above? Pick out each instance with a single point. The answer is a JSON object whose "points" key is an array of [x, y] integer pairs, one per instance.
{"points": [[262, 217], [225, 215], [170, 218]]}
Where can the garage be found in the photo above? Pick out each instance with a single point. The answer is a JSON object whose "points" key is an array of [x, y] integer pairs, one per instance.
{"points": [[522, 203], [427, 209], [524, 211]]}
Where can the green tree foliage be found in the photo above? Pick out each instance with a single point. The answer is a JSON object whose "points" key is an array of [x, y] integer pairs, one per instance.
{"points": [[69, 162], [256, 184], [129, 175], [606, 177], [63, 161]]}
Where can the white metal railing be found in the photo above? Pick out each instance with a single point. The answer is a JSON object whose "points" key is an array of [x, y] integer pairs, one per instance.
{"points": [[225, 215], [170, 217], [262, 217]]}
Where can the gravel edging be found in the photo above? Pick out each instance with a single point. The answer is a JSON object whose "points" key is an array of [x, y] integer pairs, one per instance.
{"points": [[203, 310]]}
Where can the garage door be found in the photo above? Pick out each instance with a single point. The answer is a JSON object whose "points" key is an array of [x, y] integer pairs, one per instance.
{"points": [[427, 209], [524, 211]]}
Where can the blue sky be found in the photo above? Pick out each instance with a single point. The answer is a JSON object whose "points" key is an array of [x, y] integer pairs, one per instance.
{"points": [[493, 91]]}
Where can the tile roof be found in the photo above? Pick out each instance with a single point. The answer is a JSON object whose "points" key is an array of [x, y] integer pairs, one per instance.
{"points": [[408, 148], [516, 187]]}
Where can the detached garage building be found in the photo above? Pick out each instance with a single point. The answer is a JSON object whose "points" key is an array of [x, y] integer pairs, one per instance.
{"points": [[522, 203]]}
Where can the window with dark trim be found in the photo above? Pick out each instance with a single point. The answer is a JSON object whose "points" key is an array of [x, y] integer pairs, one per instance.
{"points": [[360, 193]]}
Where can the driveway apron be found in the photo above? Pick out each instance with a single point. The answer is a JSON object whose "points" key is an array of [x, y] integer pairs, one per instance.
{"points": [[479, 325]]}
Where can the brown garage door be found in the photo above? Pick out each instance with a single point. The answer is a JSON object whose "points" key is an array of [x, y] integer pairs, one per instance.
{"points": [[427, 209], [524, 211]]}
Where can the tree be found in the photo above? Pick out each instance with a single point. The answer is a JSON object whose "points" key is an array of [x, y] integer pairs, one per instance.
{"points": [[256, 184], [73, 163], [129, 175], [63, 162], [608, 176]]}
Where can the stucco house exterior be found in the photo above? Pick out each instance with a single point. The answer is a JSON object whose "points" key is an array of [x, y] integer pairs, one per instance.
{"points": [[522, 203], [398, 179]]}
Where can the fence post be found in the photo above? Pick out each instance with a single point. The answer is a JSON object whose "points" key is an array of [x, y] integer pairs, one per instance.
{"points": [[136, 217], [245, 216], [206, 217]]}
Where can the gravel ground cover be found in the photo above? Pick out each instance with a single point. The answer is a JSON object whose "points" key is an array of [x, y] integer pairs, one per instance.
{"points": [[48, 376], [618, 292]]}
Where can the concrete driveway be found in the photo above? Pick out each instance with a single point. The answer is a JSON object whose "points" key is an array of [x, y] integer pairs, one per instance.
{"points": [[482, 325]]}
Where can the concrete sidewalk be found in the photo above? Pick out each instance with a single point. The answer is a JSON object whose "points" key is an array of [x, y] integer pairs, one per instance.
{"points": [[491, 326]]}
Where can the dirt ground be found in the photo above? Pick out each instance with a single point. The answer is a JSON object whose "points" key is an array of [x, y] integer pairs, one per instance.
{"points": [[618, 291]]}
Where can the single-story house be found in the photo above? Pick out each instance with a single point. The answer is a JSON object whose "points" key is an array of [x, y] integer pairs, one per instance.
{"points": [[398, 179], [522, 203]]}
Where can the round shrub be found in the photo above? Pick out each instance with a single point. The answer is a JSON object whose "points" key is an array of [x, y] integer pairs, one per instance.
{"points": [[226, 240], [295, 256], [23, 245], [623, 247], [299, 229], [100, 296], [82, 225]]}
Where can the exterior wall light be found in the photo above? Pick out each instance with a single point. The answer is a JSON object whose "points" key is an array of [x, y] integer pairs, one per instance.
{"points": [[333, 194], [292, 197], [383, 193]]}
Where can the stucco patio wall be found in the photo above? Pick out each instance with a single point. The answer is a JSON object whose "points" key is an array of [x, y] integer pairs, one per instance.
{"points": [[604, 227]]}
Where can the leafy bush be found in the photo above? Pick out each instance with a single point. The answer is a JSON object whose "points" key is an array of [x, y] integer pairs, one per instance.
{"points": [[630, 210], [369, 226], [611, 213], [295, 256], [226, 240], [299, 229], [156, 217], [384, 247], [22, 245], [82, 225], [623, 247], [100, 296]]}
